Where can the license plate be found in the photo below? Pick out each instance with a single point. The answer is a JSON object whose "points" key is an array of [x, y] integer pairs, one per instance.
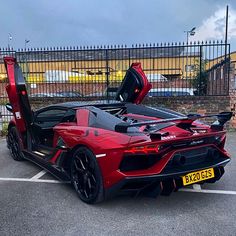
{"points": [[198, 176]]}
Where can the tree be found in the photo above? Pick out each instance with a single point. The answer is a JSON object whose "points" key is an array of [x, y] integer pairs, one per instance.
{"points": [[201, 79]]}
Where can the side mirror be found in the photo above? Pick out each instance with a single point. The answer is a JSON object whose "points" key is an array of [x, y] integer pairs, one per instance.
{"points": [[9, 107]]}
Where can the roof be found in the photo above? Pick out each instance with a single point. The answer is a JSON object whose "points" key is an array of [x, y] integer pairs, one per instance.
{"points": [[101, 54]]}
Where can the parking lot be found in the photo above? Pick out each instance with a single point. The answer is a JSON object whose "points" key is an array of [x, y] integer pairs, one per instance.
{"points": [[32, 202]]}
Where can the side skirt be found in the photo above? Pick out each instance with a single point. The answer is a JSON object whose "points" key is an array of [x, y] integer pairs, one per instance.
{"points": [[54, 170]]}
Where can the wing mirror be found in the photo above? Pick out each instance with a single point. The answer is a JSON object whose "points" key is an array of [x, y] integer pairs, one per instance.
{"points": [[9, 107]]}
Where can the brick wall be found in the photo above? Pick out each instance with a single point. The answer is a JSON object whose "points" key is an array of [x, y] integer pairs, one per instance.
{"points": [[202, 105], [195, 104], [182, 104]]}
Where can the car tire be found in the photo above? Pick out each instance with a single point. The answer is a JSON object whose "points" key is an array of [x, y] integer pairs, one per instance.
{"points": [[86, 176], [13, 143]]}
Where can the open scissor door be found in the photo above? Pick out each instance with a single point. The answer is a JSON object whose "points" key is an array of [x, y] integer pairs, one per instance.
{"points": [[134, 86], [17, 94]]}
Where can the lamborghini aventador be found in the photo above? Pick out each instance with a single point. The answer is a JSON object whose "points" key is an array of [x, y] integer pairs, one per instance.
{"points": [[110, 147]]}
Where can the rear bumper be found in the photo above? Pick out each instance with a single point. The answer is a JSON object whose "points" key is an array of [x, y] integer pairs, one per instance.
{"points": [[165, 183]]}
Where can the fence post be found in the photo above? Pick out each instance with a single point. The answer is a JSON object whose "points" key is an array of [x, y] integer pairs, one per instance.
{"points": [[228, 64], [107, 74], [129, 57], [200, 72], [1, 123]]}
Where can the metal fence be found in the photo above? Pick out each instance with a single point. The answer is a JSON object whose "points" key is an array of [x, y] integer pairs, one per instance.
{"points": [[176, 69]]}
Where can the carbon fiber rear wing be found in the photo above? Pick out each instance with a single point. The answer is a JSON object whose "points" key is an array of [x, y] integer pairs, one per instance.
{"points": [[222, 118]]}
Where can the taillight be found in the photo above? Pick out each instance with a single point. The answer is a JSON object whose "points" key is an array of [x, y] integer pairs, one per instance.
{"points": [[148, 149]]}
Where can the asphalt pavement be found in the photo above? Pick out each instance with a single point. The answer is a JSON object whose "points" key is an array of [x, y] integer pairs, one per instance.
{"points": [[33, 202]]}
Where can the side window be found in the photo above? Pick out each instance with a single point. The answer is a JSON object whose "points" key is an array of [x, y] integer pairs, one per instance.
{"points": [[69, 116], [55, 114]]}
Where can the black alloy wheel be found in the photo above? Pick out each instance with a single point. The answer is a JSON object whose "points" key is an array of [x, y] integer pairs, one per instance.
{"points": [[86, 177], [13, 143]]}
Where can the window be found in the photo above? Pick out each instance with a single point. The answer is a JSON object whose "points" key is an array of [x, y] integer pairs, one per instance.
{"points": [[52, 113]]}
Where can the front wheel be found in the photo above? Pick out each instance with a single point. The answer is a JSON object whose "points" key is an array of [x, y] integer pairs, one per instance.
{"points": [[86, 176], [13, 143]]}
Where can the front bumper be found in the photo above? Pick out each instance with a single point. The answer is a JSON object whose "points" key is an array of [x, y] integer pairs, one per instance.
{"points": [[165, 183]]}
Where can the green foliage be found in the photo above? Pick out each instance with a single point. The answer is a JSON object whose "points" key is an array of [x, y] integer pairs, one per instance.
{"points": [[3, 101], [4, 129], [200, 83], [201, 78]]}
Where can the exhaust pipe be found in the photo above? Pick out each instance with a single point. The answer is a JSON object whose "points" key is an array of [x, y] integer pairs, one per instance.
{"points": [[213, 154]]}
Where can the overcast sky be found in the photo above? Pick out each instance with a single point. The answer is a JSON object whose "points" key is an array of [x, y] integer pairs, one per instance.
{"points": [[101, 22]]}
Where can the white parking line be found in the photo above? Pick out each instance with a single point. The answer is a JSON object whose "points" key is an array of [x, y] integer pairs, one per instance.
{"points": [[35, 180], [208, 191], [39, 175], [49, 181]]}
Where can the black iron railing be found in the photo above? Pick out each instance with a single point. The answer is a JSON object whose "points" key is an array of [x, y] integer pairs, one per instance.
{"points": [[174, 69]]}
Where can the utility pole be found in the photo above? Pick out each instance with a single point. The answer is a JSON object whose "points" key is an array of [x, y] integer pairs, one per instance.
{"points": [[226, 29], [226, 44]]}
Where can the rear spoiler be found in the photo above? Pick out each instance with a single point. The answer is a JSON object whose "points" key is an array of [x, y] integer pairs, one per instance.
{"points": [[222, 118]]}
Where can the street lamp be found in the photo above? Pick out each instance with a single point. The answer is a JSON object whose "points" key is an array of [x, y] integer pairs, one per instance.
{"points": [[26, 41], [9, 39], [190, 33], [26, 69]]}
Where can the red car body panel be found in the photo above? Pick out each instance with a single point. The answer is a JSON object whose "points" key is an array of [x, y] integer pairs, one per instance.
{"points": [[12, 92], [114, 146]]}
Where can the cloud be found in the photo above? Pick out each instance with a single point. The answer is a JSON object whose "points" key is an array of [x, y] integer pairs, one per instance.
{"points": [[78, 22], [213, 28]]}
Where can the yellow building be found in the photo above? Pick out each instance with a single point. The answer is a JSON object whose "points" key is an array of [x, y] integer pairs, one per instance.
{"points": [[98, 65]]}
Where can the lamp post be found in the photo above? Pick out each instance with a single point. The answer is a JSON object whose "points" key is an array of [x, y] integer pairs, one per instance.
{"points": [[26, 64], [190, 33], [26, 41], [8, 42]]}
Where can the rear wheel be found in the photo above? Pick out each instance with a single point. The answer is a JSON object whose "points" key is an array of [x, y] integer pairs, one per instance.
{"points": [[86, 176], [13, 143]]}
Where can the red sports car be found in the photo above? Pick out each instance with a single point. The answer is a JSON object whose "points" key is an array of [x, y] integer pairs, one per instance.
{"points": [[118, 146]]}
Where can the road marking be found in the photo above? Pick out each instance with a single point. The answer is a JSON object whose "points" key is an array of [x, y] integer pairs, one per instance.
{"points": [[226, 192], [39, 175], [208, 191], [197, 186], [35, 180]]}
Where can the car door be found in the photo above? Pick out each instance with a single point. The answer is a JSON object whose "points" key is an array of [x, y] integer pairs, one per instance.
{"points": [[134, 86], [17, 94]]}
